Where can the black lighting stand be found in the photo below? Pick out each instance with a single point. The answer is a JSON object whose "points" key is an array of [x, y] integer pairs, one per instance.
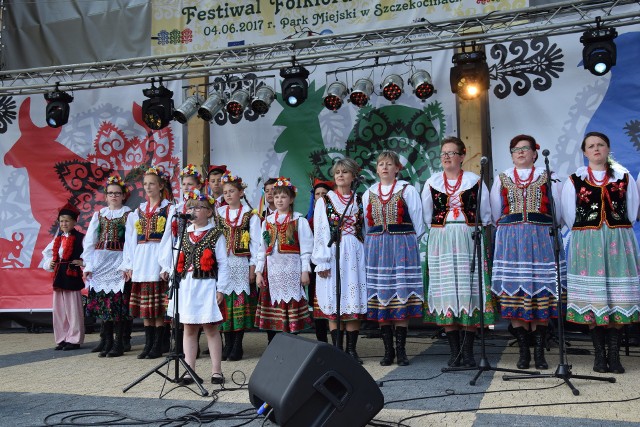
{"points": [[174, 355], [483, 365], [563, 371]]}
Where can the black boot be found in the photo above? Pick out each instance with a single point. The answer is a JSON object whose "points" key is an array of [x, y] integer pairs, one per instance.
{"points": [[166, 338], [598, 338], [352, 341], [467, 349], [236, 350], [270, 336], [401, 341], [454, 347], [386, 332], [321, 330], [118, 347], [149, 335], [613, 351], [538, 351], [100, 346], [228, 343], [126, 334], [158, 339], [108, 339], [522, 335], [334, 338]]}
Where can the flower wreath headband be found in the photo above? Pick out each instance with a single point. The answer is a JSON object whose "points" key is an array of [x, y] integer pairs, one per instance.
{"points": [[192, 170], [285, 182], [197, 195], [116, 180], [159, 171], [228, 177]]}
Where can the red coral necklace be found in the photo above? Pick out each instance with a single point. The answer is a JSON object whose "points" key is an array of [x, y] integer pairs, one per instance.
{"points": [[522, 184], [384, 198]]}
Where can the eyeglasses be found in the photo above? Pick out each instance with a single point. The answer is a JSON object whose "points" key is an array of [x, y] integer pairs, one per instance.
{"points": [[520, 149], [114, 193], [449, 154], [197, 208]]}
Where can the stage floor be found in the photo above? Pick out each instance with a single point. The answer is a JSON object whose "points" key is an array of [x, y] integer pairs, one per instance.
{"points": [[38, 382]]}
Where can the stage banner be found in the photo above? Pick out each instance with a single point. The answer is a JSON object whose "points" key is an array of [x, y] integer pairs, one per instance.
{"points": [[43, 168], [190, 26]]}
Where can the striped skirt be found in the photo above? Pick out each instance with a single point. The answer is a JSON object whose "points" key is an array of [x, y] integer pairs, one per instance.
{"points": [[148, 299], [293, 316]]}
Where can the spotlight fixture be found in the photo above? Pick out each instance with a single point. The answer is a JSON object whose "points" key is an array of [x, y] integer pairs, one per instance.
{"points": [[238, 102], [211, 106], [188, 108], [336, 92], [157, 111], [392, 86], [361, 92], [422, 84], [57, 112], [599, 52], [470, 74], [262, 100], [294, 85]]}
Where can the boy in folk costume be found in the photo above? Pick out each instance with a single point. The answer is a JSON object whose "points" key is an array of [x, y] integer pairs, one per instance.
{"points": [[214, 183], [63, 257]]}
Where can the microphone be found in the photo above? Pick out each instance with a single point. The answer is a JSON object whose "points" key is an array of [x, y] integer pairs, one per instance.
{"points": [[484, 160], [185, 216], [545, 152]]}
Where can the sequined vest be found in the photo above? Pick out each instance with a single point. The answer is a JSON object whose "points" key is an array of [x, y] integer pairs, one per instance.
{"points": [[151, 229], [517, 207], [238, 238], [111, 232], [468, 201], [201, 256], [333, 216], [597, 204], [286, 245], [392, 216]]}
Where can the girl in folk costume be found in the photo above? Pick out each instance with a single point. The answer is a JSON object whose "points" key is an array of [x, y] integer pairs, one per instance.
{"points": [[600, 203], [449, 202], [524, 270], [202, 267], [108, 299], [241, 228], [147, 232], [286, 245], [353, 299], [394, 276], [190, 179], [63, 257]]}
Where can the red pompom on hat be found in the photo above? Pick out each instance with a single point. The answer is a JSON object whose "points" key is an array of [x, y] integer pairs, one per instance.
{"points": [[70, 210], [217, 168]]}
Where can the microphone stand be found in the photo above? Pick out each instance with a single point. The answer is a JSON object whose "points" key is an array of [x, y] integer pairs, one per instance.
{"points": [[483, 365], [336, 237], [174, 355], [563, 371]]}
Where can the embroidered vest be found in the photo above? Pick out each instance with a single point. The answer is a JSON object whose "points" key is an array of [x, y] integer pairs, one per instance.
{"points": [[66, 275], [333, 215], [286, 245], [392, 217], [468, 201], [201, 256], [534, 207], [238, 238], [151, 229], [111, 232], [597, 204]]}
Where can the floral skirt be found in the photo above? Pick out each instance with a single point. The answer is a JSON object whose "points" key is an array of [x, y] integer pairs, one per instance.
{"points": [[522, 306], [107, 306], [346, 317], [241, 311], [395, 310], [148, 299]]}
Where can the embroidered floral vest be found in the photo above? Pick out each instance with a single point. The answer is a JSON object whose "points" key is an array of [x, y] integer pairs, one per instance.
{"points": [[286, 245], [152, 229], [392, 217], [534, 207], [111, 232], [238, 238], [597, 204], [333, 215], [200, 257], [468, 201]]}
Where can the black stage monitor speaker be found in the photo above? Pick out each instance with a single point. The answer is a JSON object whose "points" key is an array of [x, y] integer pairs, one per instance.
{"points": [[311, 384]]}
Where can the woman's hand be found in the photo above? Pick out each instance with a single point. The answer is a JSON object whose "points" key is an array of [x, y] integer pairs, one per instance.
{"points": [[304, 278], [324, 274], [260, 281]]}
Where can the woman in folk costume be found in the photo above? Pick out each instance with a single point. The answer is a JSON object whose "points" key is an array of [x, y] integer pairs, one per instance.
{"points": [[108, 298], [241, 228], [524, 270], [148, 230], [449, 202], [63, 257], [394, 277], [353, 286], [600, 203], [286, 245]]}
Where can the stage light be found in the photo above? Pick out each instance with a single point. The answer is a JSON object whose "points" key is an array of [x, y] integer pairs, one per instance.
{"points": [[361, 92], [211, 106], [470, 74], [599, 52], [57, 111], [157, 111], [238, 102], [422, 84], [262, 100], [188, 108], [392, 86], [294, 85], [336, 92]]}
